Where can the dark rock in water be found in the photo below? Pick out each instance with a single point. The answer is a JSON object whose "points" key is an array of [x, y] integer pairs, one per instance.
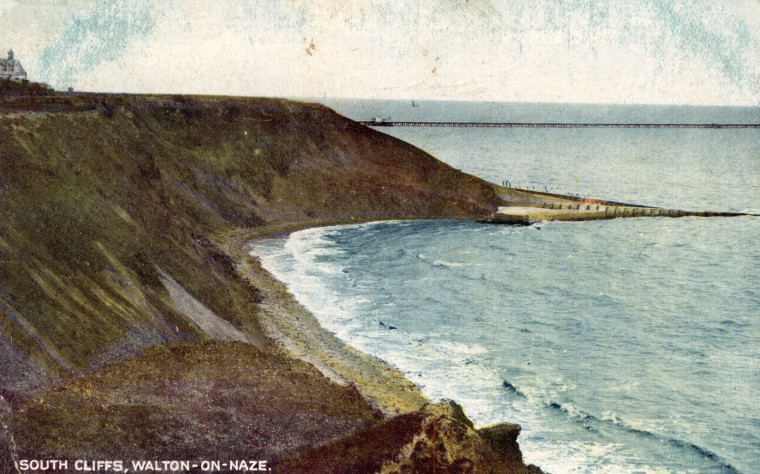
{"points": [[511, 388]]}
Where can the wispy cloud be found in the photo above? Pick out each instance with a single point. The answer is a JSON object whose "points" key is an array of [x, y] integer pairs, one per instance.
{"points": [[655, 51], [100, 35]]}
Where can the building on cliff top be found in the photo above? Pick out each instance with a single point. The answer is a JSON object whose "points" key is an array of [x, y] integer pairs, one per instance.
{"points": [[11, 68]]}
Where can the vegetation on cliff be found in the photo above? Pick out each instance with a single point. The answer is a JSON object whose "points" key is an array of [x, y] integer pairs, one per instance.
{"points": [[15, 87], [133, 323]]}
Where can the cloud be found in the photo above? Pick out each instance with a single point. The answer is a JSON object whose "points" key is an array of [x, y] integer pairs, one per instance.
{"points": [[29, 26], [102, 34], [639, 51]]}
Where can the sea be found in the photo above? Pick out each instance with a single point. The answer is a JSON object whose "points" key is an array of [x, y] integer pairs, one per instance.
{"points": [[625, 345]]}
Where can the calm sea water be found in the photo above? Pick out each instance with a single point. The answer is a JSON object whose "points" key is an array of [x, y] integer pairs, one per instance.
{"points": [[629, 345]]}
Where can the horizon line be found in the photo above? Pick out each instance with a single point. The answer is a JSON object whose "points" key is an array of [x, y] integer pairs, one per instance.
{"points": [[374, 123], [533, 102]]}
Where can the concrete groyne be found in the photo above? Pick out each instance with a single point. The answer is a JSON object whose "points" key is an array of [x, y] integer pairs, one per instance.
{"points": [[525, 207]]}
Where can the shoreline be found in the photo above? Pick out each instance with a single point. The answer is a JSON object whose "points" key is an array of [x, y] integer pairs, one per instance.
{"points": [[293, 327]]}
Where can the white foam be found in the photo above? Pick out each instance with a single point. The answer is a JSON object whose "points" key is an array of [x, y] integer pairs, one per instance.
{"points": [[579, 457], [444, 263]]}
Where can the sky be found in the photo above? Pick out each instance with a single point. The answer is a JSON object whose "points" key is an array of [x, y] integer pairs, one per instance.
{"points": [[692, 52]]}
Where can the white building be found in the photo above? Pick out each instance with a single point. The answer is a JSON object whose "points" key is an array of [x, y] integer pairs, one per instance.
{"points": [[11, 68]]}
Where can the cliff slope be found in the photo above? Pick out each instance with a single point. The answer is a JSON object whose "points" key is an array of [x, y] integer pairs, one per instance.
{"points": [[133, 324]]}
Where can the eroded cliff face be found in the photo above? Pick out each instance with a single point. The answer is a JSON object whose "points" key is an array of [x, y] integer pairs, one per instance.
{"points": [[106, 198], [126, 297]]}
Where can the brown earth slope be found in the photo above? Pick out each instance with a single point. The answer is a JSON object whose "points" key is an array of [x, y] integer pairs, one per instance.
{"points": [[133, 324]]}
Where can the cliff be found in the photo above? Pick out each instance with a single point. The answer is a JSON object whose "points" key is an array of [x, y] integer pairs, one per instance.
{"points": [[133, 324]]}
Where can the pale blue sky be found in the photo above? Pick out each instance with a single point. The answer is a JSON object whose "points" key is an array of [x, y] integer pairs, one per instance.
{"points": [[627, 51]]}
